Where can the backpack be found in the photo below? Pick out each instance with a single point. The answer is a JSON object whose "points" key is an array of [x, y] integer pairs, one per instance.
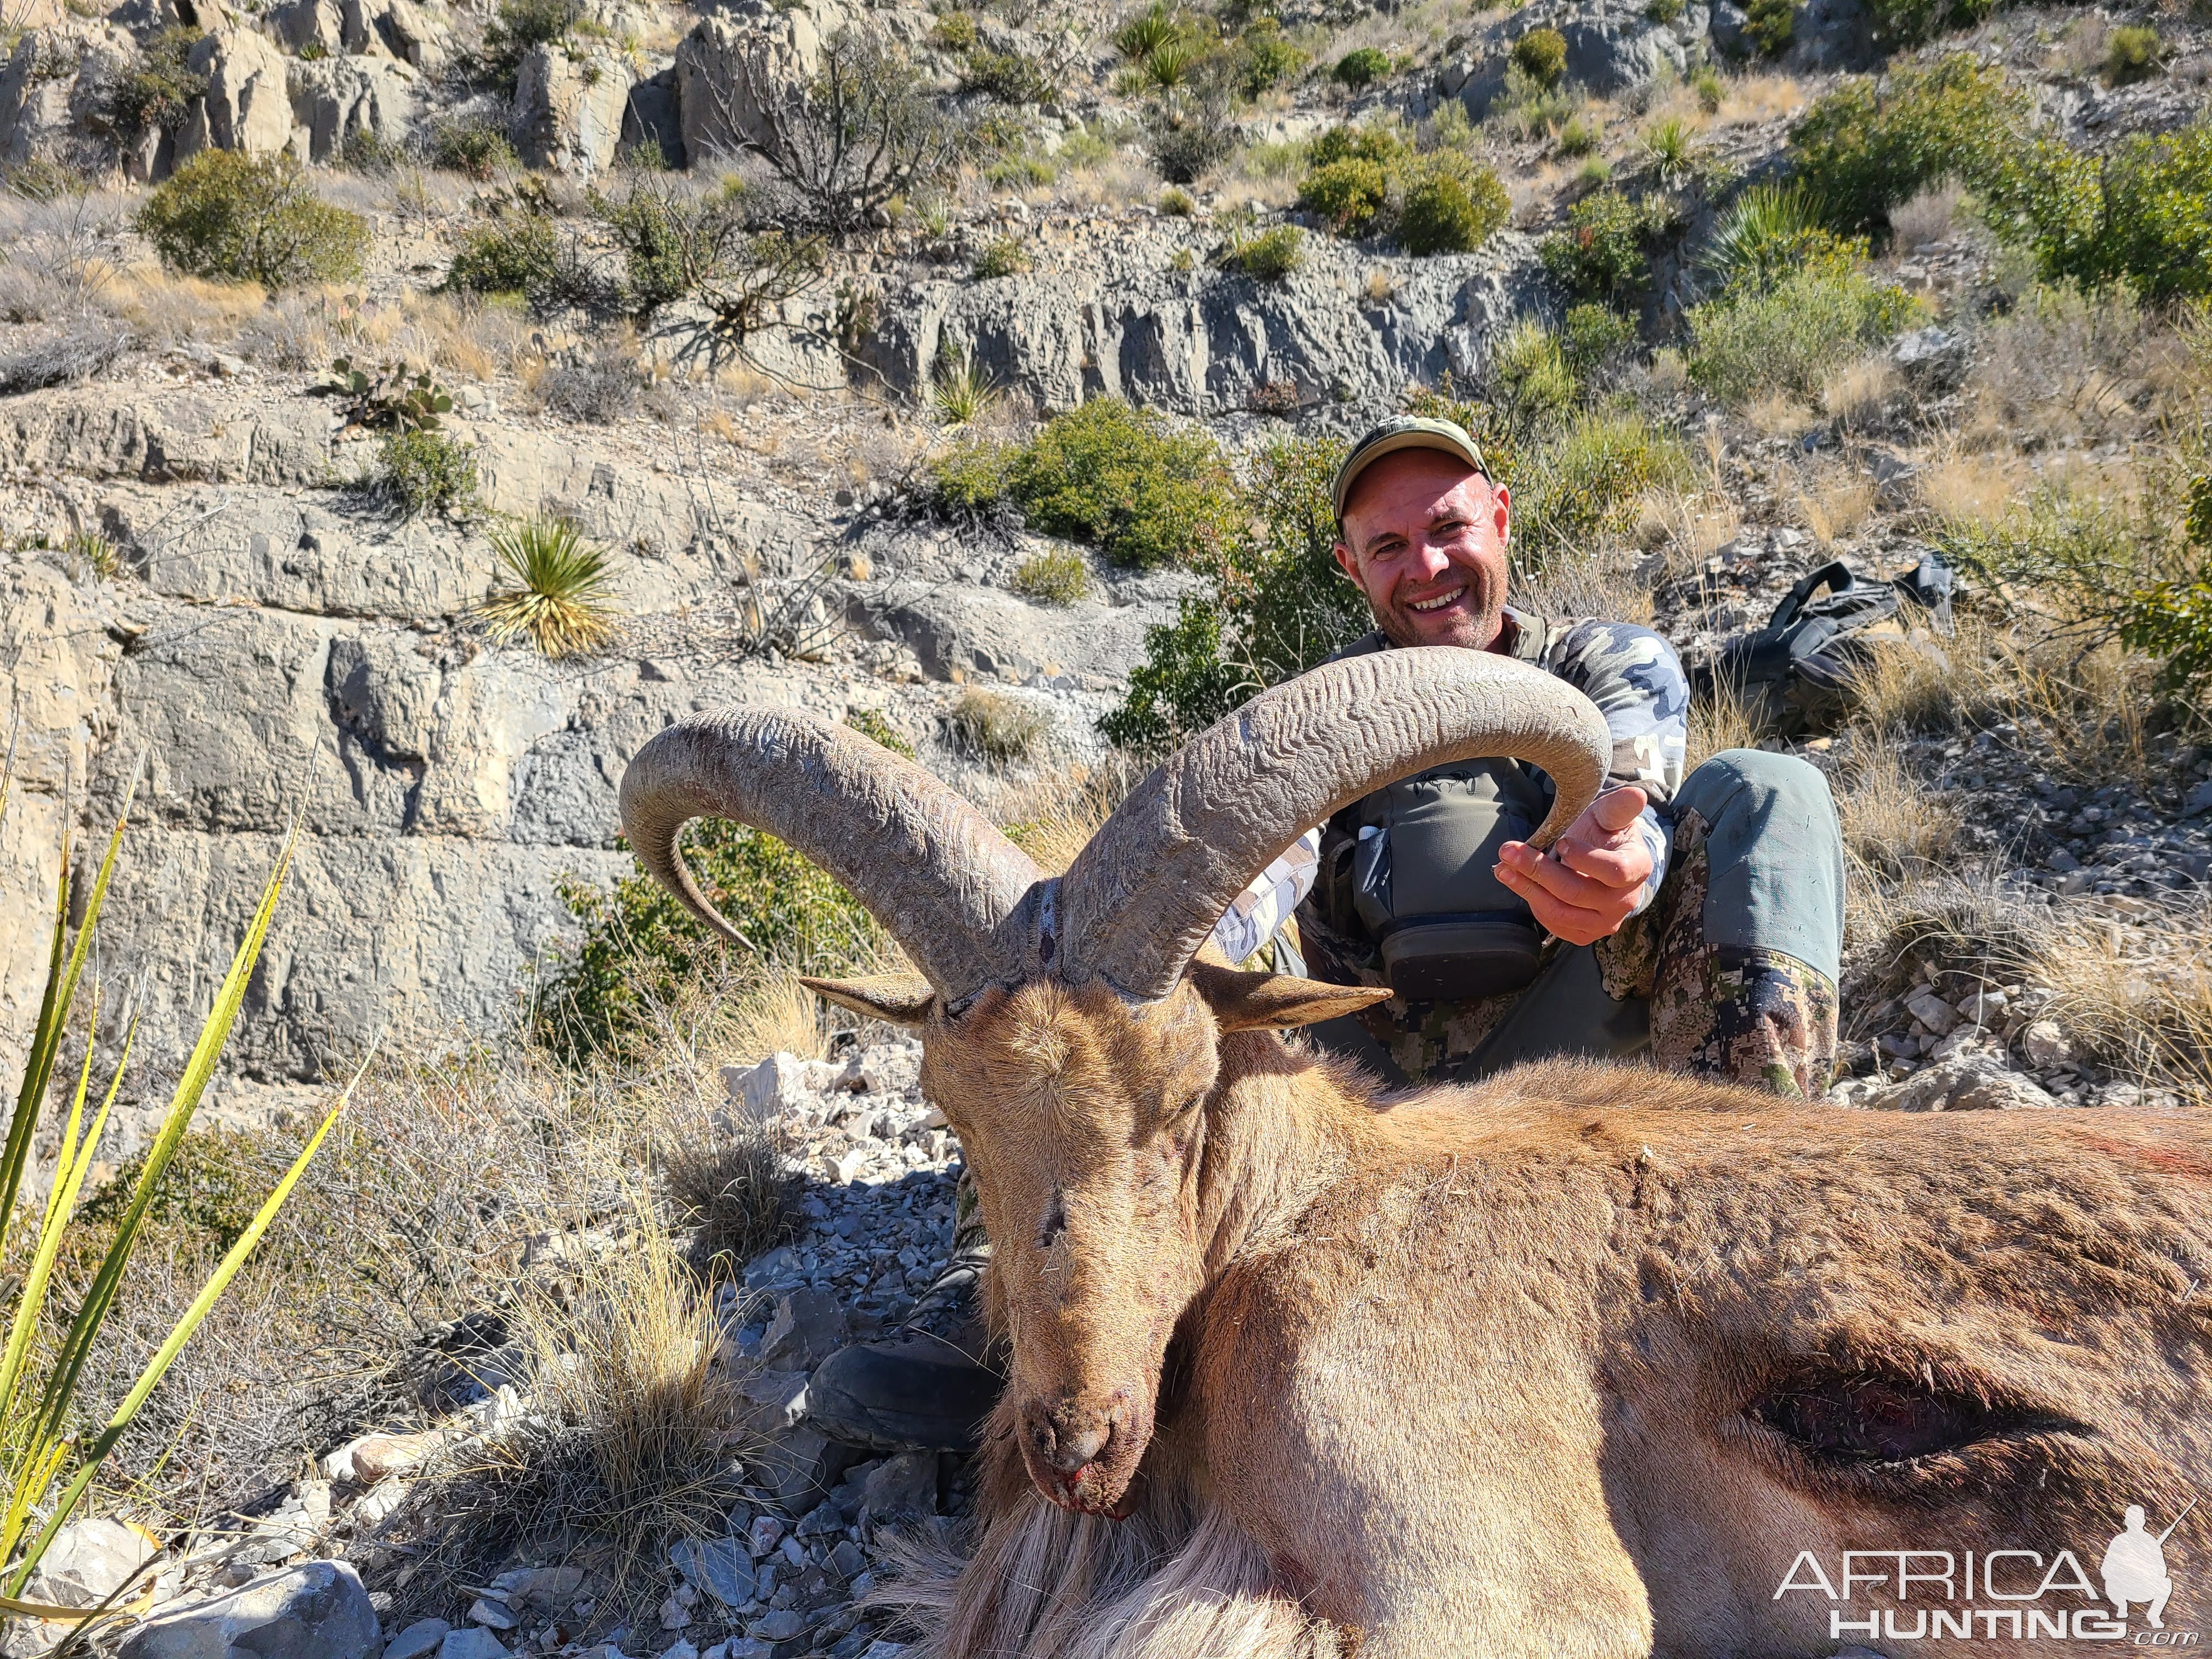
{"points": [[1796, 675]]}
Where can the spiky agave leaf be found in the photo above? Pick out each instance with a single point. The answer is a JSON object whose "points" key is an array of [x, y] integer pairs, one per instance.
{"points": [[557, 592]]}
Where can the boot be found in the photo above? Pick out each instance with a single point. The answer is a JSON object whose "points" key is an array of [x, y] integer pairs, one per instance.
{"points": [[928, 1385]]}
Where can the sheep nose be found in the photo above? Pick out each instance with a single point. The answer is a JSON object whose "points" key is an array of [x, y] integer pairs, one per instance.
{"points": [[1074, 1451], [1066, 1434]]}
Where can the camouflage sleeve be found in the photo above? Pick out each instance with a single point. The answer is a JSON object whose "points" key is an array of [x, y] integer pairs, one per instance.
{"points": [[1637, 682], [1262, 907]]}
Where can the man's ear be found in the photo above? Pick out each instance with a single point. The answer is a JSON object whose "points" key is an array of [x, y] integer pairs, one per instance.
{"points": [[1276, 1002], [895, 998]]}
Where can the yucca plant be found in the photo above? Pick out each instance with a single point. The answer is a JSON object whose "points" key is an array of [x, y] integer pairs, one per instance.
{"points": [[556, 591], [1170, 65], [1146, 33], [41, 1441], [1669, 151], [1765, 233], [963, 389]]}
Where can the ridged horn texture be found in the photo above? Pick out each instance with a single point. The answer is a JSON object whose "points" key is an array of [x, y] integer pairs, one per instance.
{"points": [[1141, 898], [927, 864]]}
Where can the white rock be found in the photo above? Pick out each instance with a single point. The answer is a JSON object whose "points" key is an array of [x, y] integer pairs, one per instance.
{"points": [[497, 1615], [88, 1561], [2044, 1044]]}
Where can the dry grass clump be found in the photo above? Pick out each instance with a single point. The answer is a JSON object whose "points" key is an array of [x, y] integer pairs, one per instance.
{"points": [[1053, 820], [1590, 581], [1894, 825], [1719, 721], [1858, 395], [1835, 500], [635, 1438], [1928, 216], [2137, 999], [993, 726], [2063, 364]]}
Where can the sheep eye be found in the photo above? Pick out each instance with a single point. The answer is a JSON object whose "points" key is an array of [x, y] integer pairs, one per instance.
{"points": [[1862, 1418]]}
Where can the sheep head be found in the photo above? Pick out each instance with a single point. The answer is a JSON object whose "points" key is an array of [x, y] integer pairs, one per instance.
{"points": [[1070, 1029]]}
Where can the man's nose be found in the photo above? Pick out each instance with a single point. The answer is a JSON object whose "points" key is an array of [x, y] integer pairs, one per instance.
{"points": [[1428, 561]]}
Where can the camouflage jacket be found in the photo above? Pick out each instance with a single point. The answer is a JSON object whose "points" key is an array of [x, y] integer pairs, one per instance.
{"points": [[1632, 675]]}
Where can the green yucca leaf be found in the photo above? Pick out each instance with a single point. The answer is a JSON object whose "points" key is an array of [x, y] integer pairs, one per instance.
{"points": [[557, 592], [199, 1071], [54, 1007], [217, 1283]]}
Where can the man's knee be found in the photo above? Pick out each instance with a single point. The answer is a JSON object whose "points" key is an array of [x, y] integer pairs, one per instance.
{"points": [[1774, 854], [1751, 783]]}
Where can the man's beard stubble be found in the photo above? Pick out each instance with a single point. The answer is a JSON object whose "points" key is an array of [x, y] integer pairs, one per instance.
{"points": [[1484, 616]]}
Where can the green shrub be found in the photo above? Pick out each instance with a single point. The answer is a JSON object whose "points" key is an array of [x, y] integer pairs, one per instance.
{"points": [[1175, 203], [1712, 91], [1578, 138], [481, 153], [1787, 336], [1663, 12], [1021, 171], [420, 472], [1269, 256], [1377, 144], [2132, 54], [243, 219], [1770, 26], [639, 944], [510, 255], [1594, 335], [1348, 193], [1909, 22], [970, 478], [954, 31], [1869, 147], [1007, 256], [1144, 490], [877, 729], [2140, 214], [1007, 76], [1278, 605], [1055, 576], [1541, 55], [1767, 232], [520, 25], [371, 154], [1584, 484], [1266, 60], [1361, 68], [157, 93], [1452, 211], [1530, 372], [1601, 253]]}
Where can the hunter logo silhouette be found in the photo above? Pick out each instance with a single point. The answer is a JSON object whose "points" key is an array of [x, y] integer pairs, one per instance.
{"points": [[2134, 1568]]}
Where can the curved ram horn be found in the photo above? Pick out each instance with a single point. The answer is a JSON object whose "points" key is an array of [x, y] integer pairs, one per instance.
{"points": [[1141, 898], [927, 864]]}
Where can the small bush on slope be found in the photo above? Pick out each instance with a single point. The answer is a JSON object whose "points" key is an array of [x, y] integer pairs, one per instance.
{"points": [[240, 219]]}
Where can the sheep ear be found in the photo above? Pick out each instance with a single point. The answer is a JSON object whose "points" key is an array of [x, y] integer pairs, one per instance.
{"points": [[896, 998], [1276, 1002]]}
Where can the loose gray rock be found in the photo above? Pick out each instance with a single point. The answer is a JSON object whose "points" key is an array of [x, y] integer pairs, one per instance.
{"points": [[808, 1327], [317, 1610], [905, 1485], [719, 1567], [88, 1561], [418, 1639], [472, 1642]]}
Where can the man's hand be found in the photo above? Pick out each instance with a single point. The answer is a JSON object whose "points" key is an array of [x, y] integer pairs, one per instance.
{"points": [[1589, 883]]}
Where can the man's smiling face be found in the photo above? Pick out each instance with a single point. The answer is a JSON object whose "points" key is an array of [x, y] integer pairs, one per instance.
{"points": [[1424, 537]]}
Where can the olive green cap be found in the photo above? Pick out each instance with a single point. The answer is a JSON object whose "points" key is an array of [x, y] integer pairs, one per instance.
{"points": [[1402, 432]]}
